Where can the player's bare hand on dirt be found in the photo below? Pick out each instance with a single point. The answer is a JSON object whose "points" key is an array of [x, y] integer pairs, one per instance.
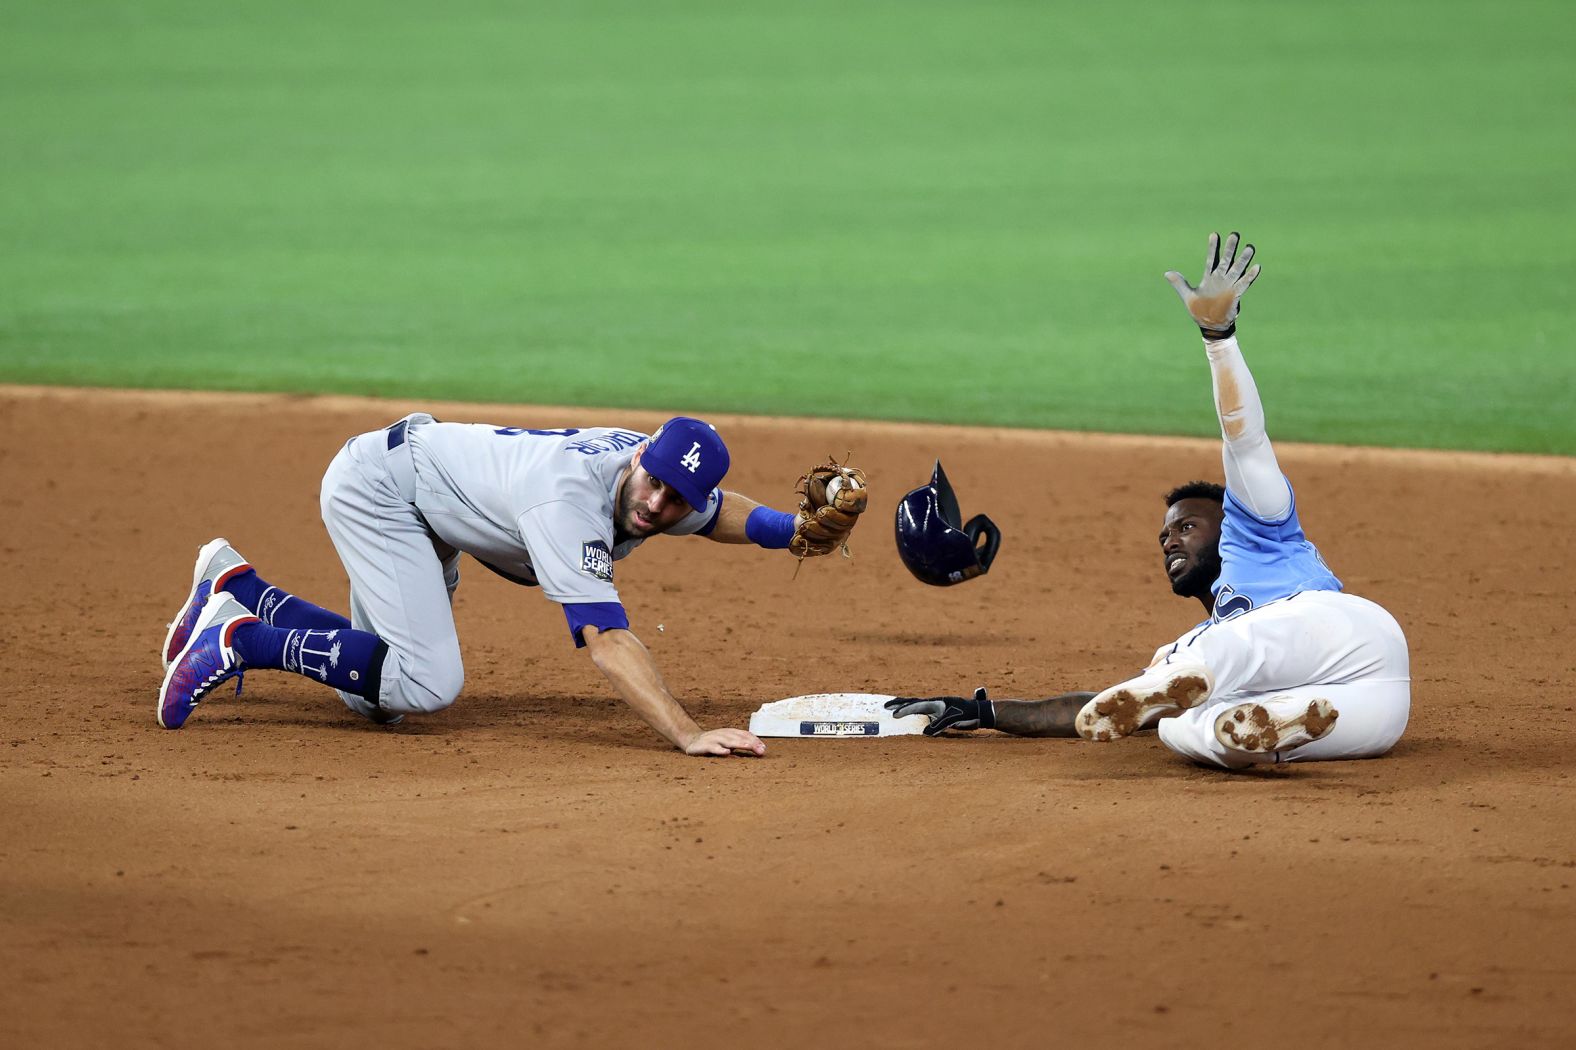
{"points": [[725, 742], [1217, 300], [947, 712]]}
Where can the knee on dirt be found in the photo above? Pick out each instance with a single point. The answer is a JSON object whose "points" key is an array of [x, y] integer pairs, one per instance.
{"points": [[423, 694]]}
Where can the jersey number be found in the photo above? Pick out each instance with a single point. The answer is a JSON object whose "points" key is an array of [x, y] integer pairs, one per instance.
{"points": [[517, 431]]}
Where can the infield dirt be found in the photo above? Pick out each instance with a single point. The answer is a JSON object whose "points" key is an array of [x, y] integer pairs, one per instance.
{"points": [[533, 867]]}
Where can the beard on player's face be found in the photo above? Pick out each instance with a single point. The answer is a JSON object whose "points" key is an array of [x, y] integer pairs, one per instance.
{"points": [[646, 506], [1190, 546], [1200, 575]]}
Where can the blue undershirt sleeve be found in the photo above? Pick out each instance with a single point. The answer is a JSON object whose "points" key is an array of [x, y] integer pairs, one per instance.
{"points": [[772, 529], [604, 616]]}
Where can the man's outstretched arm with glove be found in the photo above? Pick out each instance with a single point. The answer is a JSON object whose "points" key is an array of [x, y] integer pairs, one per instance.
{"points": [[831, 499], [1052, 716], [1253, 474]]}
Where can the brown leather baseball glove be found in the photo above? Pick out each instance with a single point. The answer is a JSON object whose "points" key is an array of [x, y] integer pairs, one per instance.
{"points": [[824, 521]]}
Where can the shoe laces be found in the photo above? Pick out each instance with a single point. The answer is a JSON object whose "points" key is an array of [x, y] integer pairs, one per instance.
{"points": [[224, 670]]}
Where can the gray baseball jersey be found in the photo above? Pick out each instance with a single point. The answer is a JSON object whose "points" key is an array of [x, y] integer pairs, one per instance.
{"points": [[402, 504], [536, 505]]}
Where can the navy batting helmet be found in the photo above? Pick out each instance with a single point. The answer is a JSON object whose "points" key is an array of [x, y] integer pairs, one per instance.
{"points": [[933, 541]]}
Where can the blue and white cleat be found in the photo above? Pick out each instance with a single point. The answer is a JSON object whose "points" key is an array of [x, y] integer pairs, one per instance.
{"points": [[208, 659], [217, 563]]}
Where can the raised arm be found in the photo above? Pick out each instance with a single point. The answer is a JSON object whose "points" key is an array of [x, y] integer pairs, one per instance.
{"points": [[1252, 472], [628, 665]]}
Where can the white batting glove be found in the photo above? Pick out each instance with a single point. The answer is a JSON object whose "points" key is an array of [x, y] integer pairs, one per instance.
{"points": [[1216, 301]]}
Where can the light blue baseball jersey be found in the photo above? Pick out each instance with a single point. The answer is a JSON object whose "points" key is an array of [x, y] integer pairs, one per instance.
{"points": [[1265, 561]]}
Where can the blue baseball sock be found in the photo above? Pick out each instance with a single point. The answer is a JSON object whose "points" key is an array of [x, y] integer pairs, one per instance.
{"points": [[343, 658], [280, 608]]}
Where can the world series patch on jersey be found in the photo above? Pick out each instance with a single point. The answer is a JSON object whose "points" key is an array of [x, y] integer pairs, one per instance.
{"points": [[596, 560]]}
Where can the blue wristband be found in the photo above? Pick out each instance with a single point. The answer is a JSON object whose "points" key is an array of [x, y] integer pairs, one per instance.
{"points": [[769, 528]]}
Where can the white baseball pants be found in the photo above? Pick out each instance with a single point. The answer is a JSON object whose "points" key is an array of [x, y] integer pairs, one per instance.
{"points": [[1316, 644]]}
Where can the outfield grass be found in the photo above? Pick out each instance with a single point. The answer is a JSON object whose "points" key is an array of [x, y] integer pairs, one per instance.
{"points": [[903, 210]]}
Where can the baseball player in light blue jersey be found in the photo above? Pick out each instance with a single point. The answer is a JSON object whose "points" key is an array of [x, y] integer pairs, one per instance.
{"points": [[1286, 667], [555, 509]]}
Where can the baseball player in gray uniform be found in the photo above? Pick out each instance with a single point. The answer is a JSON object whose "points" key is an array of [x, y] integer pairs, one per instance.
{"points": [[1287, 667], [555, 509]]}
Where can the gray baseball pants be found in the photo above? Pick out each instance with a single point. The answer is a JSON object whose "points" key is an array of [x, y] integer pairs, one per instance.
{"points": [[402, 578]]}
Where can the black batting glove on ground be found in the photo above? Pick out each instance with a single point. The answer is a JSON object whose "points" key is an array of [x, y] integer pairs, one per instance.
{"points": [[947, 712]]}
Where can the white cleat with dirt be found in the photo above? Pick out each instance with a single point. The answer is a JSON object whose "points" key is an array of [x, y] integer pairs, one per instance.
{"points": [[1277, 724], [1126, 708]]}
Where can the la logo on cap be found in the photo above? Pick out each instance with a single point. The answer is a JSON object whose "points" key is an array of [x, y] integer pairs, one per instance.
{"points": [[688, 454]]}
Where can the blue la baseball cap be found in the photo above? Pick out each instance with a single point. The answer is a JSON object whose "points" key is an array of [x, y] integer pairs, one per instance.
{"points": [[687, 454]]}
